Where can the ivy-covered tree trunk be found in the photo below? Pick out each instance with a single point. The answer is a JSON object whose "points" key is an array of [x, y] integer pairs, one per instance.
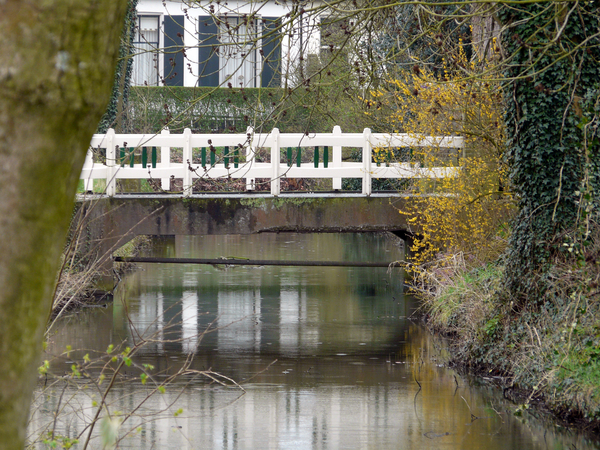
{"points": [[555, 72], [57, 60]]}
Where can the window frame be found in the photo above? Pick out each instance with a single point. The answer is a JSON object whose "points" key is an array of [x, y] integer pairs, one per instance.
{"points": [[253, 40], [140, 40]]}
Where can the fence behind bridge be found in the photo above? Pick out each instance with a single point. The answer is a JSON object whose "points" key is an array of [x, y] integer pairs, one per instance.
{"points": [[253, 156]]}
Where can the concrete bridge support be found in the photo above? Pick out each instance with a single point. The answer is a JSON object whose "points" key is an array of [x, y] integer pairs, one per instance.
{"points": [[109, 223]]}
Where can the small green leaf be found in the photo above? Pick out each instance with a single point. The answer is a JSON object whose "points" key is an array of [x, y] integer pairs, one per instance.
{"points": [[50, 443], [43, 369], [68, 443], [110, 349], [109, 431], [75, 371], [161, 389]]}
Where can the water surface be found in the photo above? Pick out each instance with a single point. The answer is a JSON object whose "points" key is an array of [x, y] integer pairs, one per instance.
{"points": [[308, 357]]}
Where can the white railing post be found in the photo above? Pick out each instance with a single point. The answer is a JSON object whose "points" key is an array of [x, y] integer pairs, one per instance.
{"points": [[337, 157], [88, 183], [187, 162], [250, 155], [165, 161], [111, 163], [367, 156], [275, 160]]}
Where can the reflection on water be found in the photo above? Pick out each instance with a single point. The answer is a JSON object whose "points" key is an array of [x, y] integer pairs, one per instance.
{"points": [[326, 357], [285, 311]]}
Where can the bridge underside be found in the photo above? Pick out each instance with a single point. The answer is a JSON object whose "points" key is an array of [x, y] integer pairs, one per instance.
{"points": [[112, 222]]}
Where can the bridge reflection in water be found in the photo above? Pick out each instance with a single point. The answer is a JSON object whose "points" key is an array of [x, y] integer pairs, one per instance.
{"points": [[342, 360], [289, 311]]}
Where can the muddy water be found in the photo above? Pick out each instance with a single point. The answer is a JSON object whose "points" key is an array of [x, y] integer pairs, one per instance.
{"points": [[307, 358]]}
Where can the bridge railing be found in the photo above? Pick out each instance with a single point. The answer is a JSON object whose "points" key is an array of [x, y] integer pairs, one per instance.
{"points": [[244, 157]]}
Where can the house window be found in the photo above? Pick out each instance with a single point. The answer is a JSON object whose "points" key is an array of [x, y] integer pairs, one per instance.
{"points": [[229, 51], [237, 52], [146, 47]]}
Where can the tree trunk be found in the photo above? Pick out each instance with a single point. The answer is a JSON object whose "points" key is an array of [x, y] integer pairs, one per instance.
{"points": [[57, 60], [553, 94]]}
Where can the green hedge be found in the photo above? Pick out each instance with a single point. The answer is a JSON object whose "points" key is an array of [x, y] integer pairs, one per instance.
{"points": [[223, 110]]}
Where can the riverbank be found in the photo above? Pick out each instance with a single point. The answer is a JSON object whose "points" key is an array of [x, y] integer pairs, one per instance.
{"points": [[78, 286], [544, 354]]}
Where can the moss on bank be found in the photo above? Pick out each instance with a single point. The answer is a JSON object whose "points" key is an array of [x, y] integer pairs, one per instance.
{"points": [[548, 349]]}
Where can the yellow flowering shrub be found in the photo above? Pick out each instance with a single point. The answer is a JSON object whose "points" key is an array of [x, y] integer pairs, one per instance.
{"points": [[462, 212]]}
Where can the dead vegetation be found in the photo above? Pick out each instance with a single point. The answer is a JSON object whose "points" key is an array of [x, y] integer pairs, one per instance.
{"points": [[78, 279]]}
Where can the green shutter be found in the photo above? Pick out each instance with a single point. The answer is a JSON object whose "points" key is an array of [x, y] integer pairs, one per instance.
{"points": [[271, 52], [208, 47]]}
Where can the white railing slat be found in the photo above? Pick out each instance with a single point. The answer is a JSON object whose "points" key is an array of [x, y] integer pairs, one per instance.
{"points": [[187, 161], [336, 162], [367, 156], [275, 162], [111, 162], [250, 160], [165, 161]]}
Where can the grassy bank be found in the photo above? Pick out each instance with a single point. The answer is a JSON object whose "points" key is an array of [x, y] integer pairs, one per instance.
{"points": [[546, 352]]}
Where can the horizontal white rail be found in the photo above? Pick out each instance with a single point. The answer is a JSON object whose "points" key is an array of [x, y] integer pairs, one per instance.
{"points": [[199, 159]]}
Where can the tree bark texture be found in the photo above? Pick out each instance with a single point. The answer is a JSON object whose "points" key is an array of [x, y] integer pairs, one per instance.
{"points": [[57, 60]]}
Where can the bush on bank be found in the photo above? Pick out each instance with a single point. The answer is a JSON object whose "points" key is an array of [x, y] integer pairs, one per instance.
{"points": [[548, 349], [462, 211]]}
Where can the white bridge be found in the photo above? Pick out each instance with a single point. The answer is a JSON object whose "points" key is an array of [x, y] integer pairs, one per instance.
{"points": [[253, 156]]}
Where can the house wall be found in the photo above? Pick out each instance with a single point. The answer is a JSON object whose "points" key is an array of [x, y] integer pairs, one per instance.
{"points": [[299, 38]]}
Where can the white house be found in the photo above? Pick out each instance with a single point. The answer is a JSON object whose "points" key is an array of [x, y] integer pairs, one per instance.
{"points": [[252, 44]]}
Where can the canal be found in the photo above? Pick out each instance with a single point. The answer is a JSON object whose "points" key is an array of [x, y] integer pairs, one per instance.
{"points": [[272, 358]]}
